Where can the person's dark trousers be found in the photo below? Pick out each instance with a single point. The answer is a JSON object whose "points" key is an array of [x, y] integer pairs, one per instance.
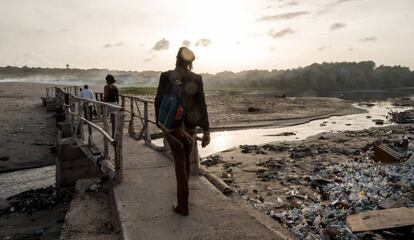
{"points": [[88, 112], [181, 155]]}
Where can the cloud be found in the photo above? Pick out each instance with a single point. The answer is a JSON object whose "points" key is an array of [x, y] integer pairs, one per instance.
{"points": [[203, 42], [280, 33], [283, 16], [322, 48], [186, 43], [109, 45], [337, 26], [288, 4], [369, 39], [162, 44], [328, 7]]}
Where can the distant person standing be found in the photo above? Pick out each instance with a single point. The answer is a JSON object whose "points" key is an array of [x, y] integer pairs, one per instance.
{"points": [[111, 96], [191, 112], [87, 94]]}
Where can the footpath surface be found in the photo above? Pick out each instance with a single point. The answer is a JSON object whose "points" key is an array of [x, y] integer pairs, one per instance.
{"points": [[143, 203]]}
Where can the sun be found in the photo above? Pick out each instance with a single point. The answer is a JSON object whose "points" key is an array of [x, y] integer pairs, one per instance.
{"points": [[228, 24]]}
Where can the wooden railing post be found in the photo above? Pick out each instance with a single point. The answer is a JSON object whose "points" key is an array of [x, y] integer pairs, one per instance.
{"points": [[123, 101], [105, 127], [80, 114], [119, 126], [147, 133], [131, 120]]}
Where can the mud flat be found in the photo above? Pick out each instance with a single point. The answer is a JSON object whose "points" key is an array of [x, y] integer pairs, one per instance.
{"points": [[27, 130]]}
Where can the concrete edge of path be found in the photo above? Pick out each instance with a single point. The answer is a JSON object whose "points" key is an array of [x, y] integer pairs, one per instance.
{"points": [[279, 231]]}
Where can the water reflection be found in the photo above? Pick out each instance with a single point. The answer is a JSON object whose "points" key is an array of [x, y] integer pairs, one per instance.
{"points": [[227, 139]]}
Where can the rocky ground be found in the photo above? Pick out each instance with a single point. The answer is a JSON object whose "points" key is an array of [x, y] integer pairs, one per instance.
{"points": [[311, 186]]}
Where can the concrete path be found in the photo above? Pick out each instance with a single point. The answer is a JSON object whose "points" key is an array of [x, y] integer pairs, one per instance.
{"points": [[143, 203]]}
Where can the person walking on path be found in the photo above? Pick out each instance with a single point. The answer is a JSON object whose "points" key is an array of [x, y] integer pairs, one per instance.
{"points": [[87, 94], [194, 114], [111, 96]]}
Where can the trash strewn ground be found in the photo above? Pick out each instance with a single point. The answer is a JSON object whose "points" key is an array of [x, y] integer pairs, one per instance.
{"points": [[312, 186], [35, 214], [405, 117]]}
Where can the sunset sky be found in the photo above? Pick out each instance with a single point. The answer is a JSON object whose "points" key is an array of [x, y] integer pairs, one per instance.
{"points": [[224, 34]]}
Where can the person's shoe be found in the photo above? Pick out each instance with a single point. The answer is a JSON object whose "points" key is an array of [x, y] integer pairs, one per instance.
{"points": [[180, 211]]}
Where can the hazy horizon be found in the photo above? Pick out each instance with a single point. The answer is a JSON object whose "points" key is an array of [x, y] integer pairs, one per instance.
{"points": [[225, 35]]}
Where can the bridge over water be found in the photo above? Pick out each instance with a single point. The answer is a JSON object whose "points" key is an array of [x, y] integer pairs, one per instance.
{"points": [[142, 174]]}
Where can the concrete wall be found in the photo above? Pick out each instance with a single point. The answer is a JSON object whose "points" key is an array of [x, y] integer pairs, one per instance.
{"points": [[73, 162]]}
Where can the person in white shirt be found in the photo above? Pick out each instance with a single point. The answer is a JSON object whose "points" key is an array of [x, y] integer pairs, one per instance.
{"points": [[88, 94]]}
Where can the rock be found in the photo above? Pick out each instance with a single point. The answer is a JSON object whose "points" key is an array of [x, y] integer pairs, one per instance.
{"points": [[330, 233], [212, 160], [93, 188], [39, 232], [254, 109], [378, 121], [410, 161], [285, 134], [387, 204], [405, 117]]}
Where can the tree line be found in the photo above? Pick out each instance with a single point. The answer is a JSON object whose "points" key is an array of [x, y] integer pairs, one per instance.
{"points": [[321, 78], [324, 77]]}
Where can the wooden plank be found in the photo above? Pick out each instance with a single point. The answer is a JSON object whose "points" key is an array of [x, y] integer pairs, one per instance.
{"points": [[381, 219], [385, 154]]}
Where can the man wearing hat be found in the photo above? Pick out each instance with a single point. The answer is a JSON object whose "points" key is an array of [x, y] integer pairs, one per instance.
{"points": [[182, 139]]}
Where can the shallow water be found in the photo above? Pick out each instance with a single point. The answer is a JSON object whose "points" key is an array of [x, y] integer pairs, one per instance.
{"points": [[227, 139], [15, 182]]}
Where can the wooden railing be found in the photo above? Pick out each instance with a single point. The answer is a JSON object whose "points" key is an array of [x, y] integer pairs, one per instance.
{"points": [[137, 108], [77, 113], [72, 90], [50, 92]]}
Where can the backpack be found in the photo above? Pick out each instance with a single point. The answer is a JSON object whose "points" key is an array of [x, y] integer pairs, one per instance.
{"points": [[171, 110]]}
